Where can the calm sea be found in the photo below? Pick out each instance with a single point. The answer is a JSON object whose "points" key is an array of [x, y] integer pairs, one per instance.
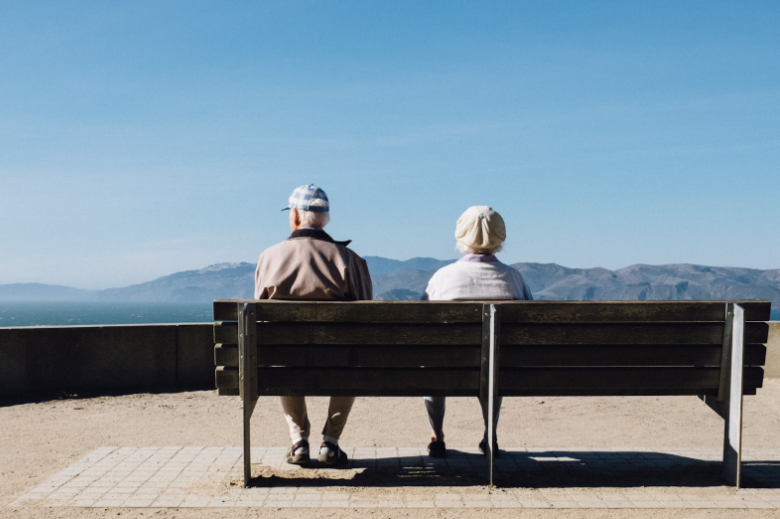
{"points": [[80, 313]]}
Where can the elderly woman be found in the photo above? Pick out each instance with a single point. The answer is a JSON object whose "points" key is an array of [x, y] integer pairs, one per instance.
{"points": [[478, 275]]}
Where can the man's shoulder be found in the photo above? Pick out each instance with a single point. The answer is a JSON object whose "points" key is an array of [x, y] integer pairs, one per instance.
{"points": [[276, 248], [352, 253], [298, 244]]}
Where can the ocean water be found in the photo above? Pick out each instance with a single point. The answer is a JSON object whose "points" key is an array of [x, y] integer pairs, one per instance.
{"points": [[86, 313], [83, 313]]}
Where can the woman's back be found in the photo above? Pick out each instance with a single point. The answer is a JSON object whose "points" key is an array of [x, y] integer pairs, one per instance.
{"points": [[476, 277]]}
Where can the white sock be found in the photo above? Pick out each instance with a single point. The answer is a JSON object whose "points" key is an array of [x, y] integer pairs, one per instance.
{"points": [[333, 441], [302, 449]]}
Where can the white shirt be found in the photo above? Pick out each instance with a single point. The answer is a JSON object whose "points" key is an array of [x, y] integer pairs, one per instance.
{"points": [[477, 277]]}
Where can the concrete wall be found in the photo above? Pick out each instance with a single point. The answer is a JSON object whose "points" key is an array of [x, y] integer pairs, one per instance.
{"points": [[45, 361], [49, 361]]}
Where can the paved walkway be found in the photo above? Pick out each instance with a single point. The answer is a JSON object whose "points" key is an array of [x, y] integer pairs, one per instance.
{"points": [[405, 477]]}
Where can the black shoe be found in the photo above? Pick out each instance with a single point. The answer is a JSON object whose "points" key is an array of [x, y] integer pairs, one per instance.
{"points": [[483, 448], [299, 459], [437, 449], [334, 457]]}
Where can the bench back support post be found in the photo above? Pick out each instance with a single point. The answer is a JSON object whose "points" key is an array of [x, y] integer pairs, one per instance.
{"points": [[728, 404], [488, 387], [732, 441], [247, 375]]}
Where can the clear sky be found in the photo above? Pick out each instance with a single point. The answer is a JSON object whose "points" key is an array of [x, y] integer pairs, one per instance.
{"points": [[142, 138]]}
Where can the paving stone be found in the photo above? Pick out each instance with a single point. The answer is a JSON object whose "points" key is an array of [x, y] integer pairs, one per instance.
{"points": [[167, 476], [335, 504]]}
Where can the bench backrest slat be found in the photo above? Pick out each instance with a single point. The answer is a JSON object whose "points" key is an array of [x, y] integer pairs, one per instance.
{"points": [[624, 333], [511, 333], [597, 355], [514, 311]]}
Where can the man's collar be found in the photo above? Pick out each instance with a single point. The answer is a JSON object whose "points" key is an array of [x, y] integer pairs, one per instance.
{"points": [[317, 235]]}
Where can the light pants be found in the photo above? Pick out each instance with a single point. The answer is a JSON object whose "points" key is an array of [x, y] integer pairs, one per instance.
{"points": [[435, 405], [298, 418]]}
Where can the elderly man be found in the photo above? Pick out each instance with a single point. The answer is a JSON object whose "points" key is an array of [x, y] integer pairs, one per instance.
{"points": [[310, 265]]}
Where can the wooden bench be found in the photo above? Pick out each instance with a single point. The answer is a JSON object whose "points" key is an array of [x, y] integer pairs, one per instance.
{"points": [[486, 349]]}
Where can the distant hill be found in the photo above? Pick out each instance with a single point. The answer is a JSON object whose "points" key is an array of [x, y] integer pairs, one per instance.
{"points": [[382, 266], [41, 292], [634, 283], [219, 281], [394, 279], [651, 282]]}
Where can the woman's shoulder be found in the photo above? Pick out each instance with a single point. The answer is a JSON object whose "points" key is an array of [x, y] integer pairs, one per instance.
{"points": [[448, 270]]}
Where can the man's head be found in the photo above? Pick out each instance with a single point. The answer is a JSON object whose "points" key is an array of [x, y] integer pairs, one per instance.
{"points": [[309, 207]]}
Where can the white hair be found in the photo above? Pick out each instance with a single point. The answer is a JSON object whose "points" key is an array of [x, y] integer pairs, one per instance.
{"points": [[314, 218], [468, 250]]}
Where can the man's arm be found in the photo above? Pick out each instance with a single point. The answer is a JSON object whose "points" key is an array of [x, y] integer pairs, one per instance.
{"points": [[259, 285], [364, 285]]}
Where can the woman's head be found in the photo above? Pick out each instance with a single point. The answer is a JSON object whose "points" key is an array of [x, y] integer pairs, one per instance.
{"points": [[480, 230]]}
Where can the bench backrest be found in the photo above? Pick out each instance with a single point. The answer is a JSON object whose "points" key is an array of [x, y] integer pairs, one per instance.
{"points": [[543, 348]]}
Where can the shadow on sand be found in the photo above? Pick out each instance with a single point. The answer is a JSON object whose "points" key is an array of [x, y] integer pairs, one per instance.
{"points": [[551, 469]]}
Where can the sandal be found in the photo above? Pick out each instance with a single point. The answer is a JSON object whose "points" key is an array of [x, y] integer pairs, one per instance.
{"points": [[299, 459], [437, 449], [333, 457], [483, 448]]}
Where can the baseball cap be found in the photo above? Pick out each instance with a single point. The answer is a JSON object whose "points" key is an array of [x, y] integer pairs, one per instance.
{"points": [[302, 198]]}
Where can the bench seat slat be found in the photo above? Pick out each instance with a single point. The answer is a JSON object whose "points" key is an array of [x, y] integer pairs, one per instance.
{"points": [[469, 356], [518, 311]]}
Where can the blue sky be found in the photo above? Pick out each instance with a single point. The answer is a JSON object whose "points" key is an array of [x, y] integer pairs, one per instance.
{"points": [[142, 138]]}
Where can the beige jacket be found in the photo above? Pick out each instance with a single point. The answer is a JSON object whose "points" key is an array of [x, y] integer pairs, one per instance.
{"points": [[310, 265]]}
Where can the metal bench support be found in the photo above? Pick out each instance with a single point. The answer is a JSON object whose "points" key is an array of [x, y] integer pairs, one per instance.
{"points": [[488, 388], [247, 375], [729, 402]]}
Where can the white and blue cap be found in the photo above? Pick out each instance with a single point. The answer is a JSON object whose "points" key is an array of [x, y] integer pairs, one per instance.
{"points": [[303, 197]]}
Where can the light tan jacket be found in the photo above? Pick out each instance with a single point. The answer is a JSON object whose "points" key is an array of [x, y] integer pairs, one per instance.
{"points": [[310, 265]]}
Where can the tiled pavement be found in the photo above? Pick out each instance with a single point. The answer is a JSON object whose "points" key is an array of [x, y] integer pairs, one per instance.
{"points": [[404, 477]]}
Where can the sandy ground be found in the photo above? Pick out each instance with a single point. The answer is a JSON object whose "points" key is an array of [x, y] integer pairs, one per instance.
{"points": [[39, 439]]}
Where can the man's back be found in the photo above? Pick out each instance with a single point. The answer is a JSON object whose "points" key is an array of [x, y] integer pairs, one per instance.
{"points": [[310, 265]]}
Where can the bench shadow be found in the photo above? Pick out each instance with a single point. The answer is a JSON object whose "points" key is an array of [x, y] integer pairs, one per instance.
{"points": [[550, 469]]}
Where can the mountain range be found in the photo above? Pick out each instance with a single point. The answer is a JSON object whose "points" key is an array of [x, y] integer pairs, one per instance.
{"points": [[406, 280]]}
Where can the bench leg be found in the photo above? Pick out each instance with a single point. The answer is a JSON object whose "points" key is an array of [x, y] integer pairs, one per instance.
{"points": [[488, 391], [729, 402], [247, 375], [249, 407]]}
